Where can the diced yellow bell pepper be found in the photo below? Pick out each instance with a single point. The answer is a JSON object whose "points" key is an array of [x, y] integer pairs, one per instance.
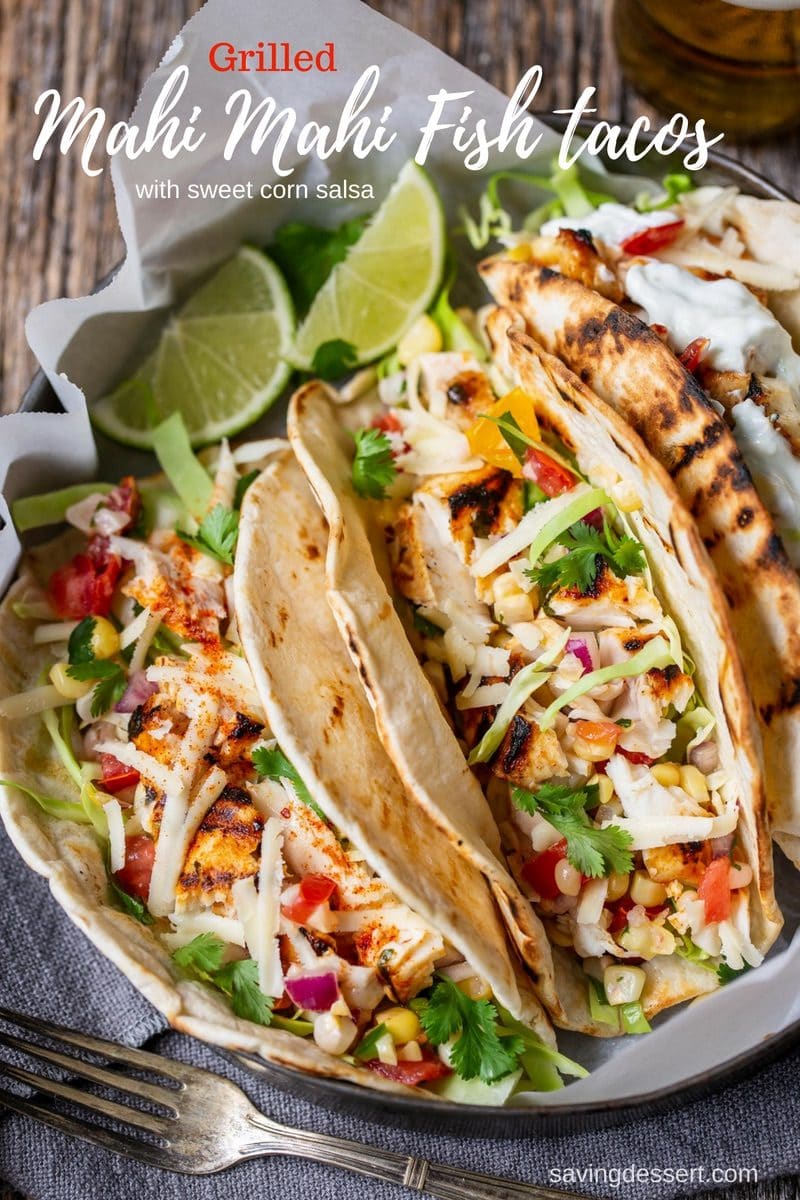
{"points": [[486, 438]]}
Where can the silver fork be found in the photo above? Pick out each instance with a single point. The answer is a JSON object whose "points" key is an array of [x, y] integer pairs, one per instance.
{"points": [[207, 1123]]}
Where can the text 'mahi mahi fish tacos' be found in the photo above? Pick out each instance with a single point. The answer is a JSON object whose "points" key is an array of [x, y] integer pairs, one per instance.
{"points": [[574, 646], [283, 897], [656, 312]]}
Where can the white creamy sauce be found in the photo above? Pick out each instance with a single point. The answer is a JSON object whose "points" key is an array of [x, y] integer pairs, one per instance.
{"points": [[611, 223], [775, 470], [744, 335]]}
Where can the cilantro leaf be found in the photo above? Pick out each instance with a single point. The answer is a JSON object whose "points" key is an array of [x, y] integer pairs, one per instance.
{"points": [[587, 549], [111, 682], [239, 981], [129, 904], [727, 974], [217, 535], [307, 254], [79, 646], [513, 436], [373, 466], [334, 359], [242, 484], [271, 763], [202, 956], [593, 851], [108, 692], [478, 1051]]}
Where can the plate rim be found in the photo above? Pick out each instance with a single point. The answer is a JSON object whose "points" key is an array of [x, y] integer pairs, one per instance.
{"points": [[513, 1120]]}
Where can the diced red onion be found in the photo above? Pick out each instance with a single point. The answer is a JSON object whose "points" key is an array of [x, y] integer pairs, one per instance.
{"points": [[595, 519], [314, 993], [138, 689], [582, 651], [705, 757], [722, 846]]}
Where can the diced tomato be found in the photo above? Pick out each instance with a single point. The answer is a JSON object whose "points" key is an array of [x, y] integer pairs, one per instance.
{"points": [[647, 241], [125, 499], [84, 587], [551, 477], [693, 354], [635, 756], [134, 878], [313, 891], [116, 775], [411, 1073], [540, 871], [661, 331], [715, 889], [387, 422]]}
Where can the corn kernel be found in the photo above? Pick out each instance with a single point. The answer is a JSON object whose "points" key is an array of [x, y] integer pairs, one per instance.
{"points": [[105, 639], [411, 1052], [475, 987], [424, 337], [518, 253], [623, 985], [514, 609], [647, 940], [402, 1024], [69, 688], [667, 774], [646, 891], [626, 497], [617, 885], [605, 788], [568, 880], [694, 782]]}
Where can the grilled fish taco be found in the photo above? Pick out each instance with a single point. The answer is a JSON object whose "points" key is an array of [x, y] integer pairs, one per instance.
{"points": [[657, 312], [188, 754], [558, 621]]}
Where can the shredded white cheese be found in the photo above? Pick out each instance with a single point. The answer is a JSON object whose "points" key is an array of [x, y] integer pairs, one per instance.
{"points": [[116, 834]]}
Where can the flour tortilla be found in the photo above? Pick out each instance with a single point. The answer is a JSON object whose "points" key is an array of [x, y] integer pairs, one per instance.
{"points": [[322, 720], [70, 857], [419, 739], [626, 364], [410, 722]]}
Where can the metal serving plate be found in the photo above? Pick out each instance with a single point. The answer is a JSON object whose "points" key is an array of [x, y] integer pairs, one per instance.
{"points": [[417, 1111]]}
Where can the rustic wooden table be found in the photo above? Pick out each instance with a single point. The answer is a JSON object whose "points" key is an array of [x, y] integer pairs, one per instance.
{"points": [[58, 229]]}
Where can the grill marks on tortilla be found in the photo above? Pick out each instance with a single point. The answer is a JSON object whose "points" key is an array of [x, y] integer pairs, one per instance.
{"points": [[628, 366]]}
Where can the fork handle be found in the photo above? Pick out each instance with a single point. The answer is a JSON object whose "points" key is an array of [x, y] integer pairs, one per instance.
{"points": [[416, 1174]]}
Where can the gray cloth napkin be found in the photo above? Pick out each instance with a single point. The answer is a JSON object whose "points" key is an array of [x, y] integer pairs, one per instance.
{"points": [[51, 970]]}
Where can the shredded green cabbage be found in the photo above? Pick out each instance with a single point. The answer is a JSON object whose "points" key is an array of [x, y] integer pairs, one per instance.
{"points": [[655, 653], [580, 507], [523, 685], [49, 508], [185, 472], [63, 810], [456, 335]]}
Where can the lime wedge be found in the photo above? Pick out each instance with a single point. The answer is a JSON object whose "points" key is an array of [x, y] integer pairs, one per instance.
{"points": [[387, 280], [220, 363]]}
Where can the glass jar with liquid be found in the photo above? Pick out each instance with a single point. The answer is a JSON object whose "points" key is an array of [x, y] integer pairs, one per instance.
{"points": [[736, 64]]}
